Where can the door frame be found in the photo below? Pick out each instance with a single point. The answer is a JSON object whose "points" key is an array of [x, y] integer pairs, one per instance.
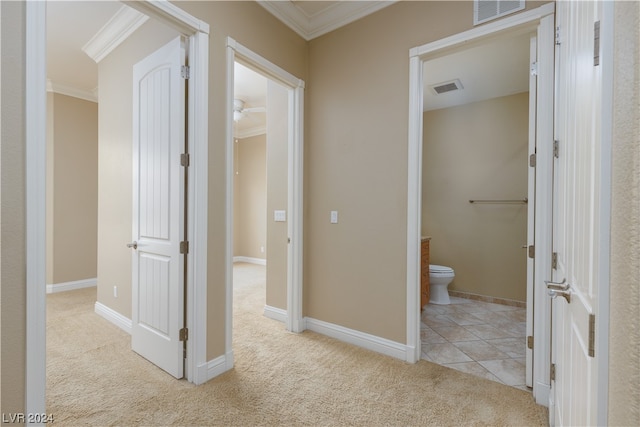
{"points": [[295, 87], [542, 16], [35, 163]]}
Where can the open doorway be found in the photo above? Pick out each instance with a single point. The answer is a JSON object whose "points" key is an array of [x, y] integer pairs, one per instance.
{"points": [[475, 175], [274, 228], [260, 187], [541, 22]]}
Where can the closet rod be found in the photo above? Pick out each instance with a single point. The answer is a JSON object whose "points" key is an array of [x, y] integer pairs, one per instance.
{"points": [[523, 201]]}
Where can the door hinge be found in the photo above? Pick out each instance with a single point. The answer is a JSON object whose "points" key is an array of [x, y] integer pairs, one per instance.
{"points": [[530, 342], [592, 335], [556, 148], [185, 72], [554, 260], [532, 160], [184, 159], [184, 247], [534, 69], [558, 36], [552, 372], [596, 43], [184, 334], [532, 251]]}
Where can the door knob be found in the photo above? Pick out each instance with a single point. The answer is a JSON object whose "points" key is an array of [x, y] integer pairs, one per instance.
{"points": [[133, 245], [557, 289]]}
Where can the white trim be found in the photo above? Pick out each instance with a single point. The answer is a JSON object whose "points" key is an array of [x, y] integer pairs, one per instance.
{"points": [[121, 25], [357, 338], [71, 286], [113, 316], [604, 280], [543, 209], [250, 260], [335, 16], [72, 91], [275, 313], [510, 23], [240, 53], [213, 368], [543, 15], [35, 174]]}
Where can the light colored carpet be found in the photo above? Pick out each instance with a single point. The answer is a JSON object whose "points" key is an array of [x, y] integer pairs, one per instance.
{"points": [[279, 378]]}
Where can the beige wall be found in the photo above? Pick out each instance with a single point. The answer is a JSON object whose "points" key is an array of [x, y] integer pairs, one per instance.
{"points": [[478, 151], [421, 22], [115, 78], [250, 197], [72, 200], [624, 338], [277, 142], [356, 163], [12, 208]]}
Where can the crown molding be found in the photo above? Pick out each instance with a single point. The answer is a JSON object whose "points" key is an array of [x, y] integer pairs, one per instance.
{"points": [[249, 132], [121, 25], [63, 89], [331, 18]]}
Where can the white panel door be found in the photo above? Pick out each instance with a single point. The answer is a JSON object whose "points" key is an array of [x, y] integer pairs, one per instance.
{"points": [[158, 208], [576, 229]]}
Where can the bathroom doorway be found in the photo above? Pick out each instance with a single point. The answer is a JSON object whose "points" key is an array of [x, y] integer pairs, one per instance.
{"points": [[478, 200], [539, 22]]}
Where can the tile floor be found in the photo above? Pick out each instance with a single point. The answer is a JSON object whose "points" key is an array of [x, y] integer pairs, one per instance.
{"points": [[478, 338]]}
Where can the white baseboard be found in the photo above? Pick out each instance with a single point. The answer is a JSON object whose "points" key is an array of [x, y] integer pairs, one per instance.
{"points": [[360, 339], [213, 368], [275, 313], [70, 286], [250, 260], [114, 317]]}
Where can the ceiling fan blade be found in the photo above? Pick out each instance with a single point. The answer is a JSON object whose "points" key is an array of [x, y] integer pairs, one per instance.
{"points": [[255, 110]]}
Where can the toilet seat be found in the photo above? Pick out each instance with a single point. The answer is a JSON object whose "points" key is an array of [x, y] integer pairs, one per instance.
{"points": [[440, 269]]}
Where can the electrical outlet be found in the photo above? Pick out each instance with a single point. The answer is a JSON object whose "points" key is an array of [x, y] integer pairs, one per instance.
{"points": [[115, 292], [261, 249], [334, 217]]}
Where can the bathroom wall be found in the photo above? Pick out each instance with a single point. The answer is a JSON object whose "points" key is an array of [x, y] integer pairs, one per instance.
{"points": [[250, 197], [478, 151]]}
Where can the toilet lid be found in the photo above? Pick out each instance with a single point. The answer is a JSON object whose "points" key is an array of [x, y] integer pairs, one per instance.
{"points": [[439, 269]]}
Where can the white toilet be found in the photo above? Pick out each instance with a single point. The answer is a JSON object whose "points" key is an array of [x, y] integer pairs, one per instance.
{"points": [[439, 278]]}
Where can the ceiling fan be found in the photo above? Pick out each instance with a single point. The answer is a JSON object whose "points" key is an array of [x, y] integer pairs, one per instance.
{"points": [[239, 110]]}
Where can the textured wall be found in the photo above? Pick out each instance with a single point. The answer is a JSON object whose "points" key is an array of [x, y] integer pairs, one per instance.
{"points": [[12, 209], [624, 338]]}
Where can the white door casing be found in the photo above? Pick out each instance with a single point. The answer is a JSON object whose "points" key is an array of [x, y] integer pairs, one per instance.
{"points": [[531, 195], [580, 229], [295, 175], [540, 20], [158, 207]]}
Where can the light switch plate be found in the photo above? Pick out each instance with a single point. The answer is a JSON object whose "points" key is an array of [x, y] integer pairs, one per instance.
{"points": [[334, 217], [280, 216]]}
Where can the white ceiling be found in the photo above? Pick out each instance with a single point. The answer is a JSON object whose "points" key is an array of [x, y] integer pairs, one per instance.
{"points": [[70, 25], [251, 88], [499, 68]]}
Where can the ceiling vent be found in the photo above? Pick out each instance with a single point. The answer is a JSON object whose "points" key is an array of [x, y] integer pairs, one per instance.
{"points": [[445, 87], [486, 10]]}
